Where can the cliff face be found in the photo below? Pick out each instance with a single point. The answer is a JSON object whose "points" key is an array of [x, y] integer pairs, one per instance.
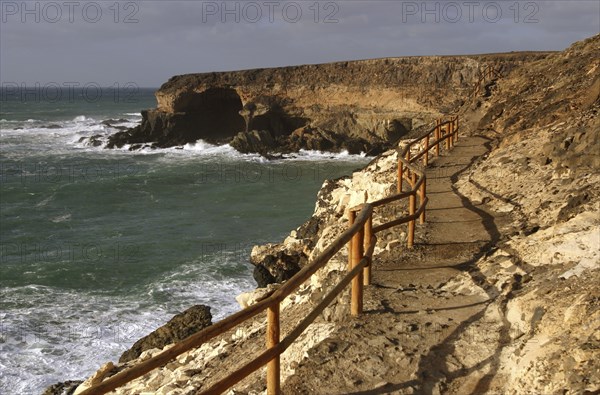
{"points": [[359, 105]]}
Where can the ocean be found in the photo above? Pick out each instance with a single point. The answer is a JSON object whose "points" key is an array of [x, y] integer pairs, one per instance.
{"points": [[100, 247]]}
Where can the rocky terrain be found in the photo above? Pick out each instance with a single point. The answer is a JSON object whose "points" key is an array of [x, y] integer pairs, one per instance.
{"points": [[358, 106], [500, 294], [544, 171]]}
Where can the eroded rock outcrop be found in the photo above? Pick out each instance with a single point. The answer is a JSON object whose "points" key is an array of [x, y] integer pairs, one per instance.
{"points": [[276, 263]]}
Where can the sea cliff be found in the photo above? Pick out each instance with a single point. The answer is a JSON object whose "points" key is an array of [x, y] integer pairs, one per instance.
{"points": [[354, 106]]}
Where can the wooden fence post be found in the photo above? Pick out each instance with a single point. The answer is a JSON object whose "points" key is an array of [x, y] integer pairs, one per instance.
{"points": [[356, 303], [400, 173], [422, 195], [351, 218], [437, 137], [368, 236], [426, 156], [456, 128], [273, 366], [411, 224], [408, 172]]}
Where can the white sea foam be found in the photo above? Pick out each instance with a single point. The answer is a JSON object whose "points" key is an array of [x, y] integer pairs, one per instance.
{"points": [[61, 218], [46, 342], [200, 150], [198, 146], [57, 334], [45, 201], [204, 150], [320, 155], [37, 134]]}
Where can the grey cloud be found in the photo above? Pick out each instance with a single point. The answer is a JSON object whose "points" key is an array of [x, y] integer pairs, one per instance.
{"points": [[173, 37]]}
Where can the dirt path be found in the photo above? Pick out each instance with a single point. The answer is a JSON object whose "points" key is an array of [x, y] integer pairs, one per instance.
{"points": [[422, 305]]}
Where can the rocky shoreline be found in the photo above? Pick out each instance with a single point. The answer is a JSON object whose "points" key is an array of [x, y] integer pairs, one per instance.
{"points": [[542, 121], [303, 244], [273, 263]]}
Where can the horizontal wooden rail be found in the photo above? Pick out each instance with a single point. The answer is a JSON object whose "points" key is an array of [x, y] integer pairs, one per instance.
{"points": [[246, 370], [365, 261], [391, 199], [488, 73], [403, 220], [437, 141]]}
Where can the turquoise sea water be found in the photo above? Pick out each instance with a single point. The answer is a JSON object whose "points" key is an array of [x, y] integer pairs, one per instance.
{"points": [[99, 247]]}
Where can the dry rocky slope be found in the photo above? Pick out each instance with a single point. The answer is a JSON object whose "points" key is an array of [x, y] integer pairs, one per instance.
{"points": [[501, 293], [356, 106]]}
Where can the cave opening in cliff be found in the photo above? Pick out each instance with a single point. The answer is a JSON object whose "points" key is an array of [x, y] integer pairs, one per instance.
{"points": [[216, 113], [278, 122]]}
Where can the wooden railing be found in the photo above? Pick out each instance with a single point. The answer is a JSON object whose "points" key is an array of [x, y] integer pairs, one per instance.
{"points": [[360, 239], [443, 132], [487, 74]]}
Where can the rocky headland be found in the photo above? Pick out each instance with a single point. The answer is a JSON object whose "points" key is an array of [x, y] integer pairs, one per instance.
{"points": [[500, 294], [357, 106]]}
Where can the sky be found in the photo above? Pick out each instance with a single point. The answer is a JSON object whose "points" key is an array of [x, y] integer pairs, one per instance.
{"points": [[145, 42]]}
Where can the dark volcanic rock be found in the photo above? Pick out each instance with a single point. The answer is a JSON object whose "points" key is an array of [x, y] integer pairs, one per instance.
{"points": [[321, 140], [52, 126], [131, 136], [309, 230], [178, 328], [262, 276], [274, 263], [307, 138], [213, 115], [111, 122], [65, 388], [255, 141], [94, 141]]}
